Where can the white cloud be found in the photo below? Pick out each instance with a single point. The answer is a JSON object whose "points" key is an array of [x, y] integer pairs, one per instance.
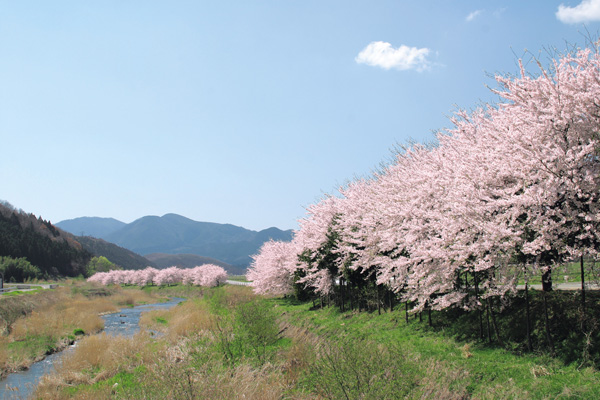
{"points": [[586, 11], [473, 15], [382, 54]]}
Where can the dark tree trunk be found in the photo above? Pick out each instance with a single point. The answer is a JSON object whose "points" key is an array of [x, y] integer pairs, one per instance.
{"points": [[351, 297], [494, 322], [478, 307], [527, 312], [406, 310], [582, 293], [429, 316], [547, 323], [487, 319], [342, 294], [378, 300], [547, 280]]}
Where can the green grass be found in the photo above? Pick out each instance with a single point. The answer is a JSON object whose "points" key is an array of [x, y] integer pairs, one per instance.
{"points": [[33, 346], [22, 292], [125, 381], [483, 371], [359, 355]]}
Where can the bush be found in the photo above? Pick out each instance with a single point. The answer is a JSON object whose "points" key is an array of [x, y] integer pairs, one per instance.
{"points": [[18, 269], [257, 327], [358, 369]]}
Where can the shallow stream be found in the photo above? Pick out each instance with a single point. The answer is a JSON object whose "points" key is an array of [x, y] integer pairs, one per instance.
{"points": [[20, 385]]}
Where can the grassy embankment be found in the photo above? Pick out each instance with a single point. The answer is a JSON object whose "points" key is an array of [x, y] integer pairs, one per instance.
{"points": [[230, 344], [36, 323]]}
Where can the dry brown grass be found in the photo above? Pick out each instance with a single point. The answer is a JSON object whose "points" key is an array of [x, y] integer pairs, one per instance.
{"points": [[130, 297], [96, 358], [301, 354], [186, 319], [15, 307], [62, 318], [189, 318], [150, 320], [174, 375], [48, 318], [3, 352], [235, 295]]}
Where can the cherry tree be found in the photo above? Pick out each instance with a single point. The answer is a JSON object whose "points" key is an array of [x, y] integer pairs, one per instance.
{"points": [[273, 268], [210, 275], [168, 276]]}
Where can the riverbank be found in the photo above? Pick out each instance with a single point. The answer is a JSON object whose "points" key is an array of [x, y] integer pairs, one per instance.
{"points": [[229, 343], [35, 325]]}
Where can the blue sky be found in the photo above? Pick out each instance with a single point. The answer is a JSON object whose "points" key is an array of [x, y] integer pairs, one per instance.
{"points": [[241, 112]]}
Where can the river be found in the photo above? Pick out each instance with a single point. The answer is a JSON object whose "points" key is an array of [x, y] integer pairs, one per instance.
{"points": [[20, 385]]}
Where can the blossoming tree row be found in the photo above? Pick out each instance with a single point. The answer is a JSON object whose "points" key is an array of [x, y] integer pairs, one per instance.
{"points": [[511, 191], [207, 275]]}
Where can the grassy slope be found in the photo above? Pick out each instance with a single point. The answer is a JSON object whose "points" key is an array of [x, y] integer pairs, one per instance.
{"points": [[434, 364], [483, 372]]}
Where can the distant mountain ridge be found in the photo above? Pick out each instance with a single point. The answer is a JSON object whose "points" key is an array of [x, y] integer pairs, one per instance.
{"points": [[175, 234], [91, 226]]}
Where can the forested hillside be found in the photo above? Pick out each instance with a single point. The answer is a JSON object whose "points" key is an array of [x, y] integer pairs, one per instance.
{"points": [[24, 235], [118, 255]]}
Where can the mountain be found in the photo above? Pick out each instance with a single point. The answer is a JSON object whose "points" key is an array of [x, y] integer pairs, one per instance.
{"points": [[91, 226], [163, 260], [116, 254], [55, 252], [175, 234]]}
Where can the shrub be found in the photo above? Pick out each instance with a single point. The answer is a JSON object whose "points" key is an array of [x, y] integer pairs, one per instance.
{"points": [[18, 269]]}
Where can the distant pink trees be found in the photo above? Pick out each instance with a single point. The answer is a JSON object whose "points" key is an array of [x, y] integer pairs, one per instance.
{"points": [[510, 191], [207, 275]]}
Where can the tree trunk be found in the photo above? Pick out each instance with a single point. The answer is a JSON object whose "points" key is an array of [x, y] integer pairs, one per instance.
{"points": [[547, 280], [406, 310], [547, 323], [342, 294], [378, 300], [351, 297], [429, 316], [529, 345], [582, 294], [494, 322], [487, 319], [478, 308]]}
